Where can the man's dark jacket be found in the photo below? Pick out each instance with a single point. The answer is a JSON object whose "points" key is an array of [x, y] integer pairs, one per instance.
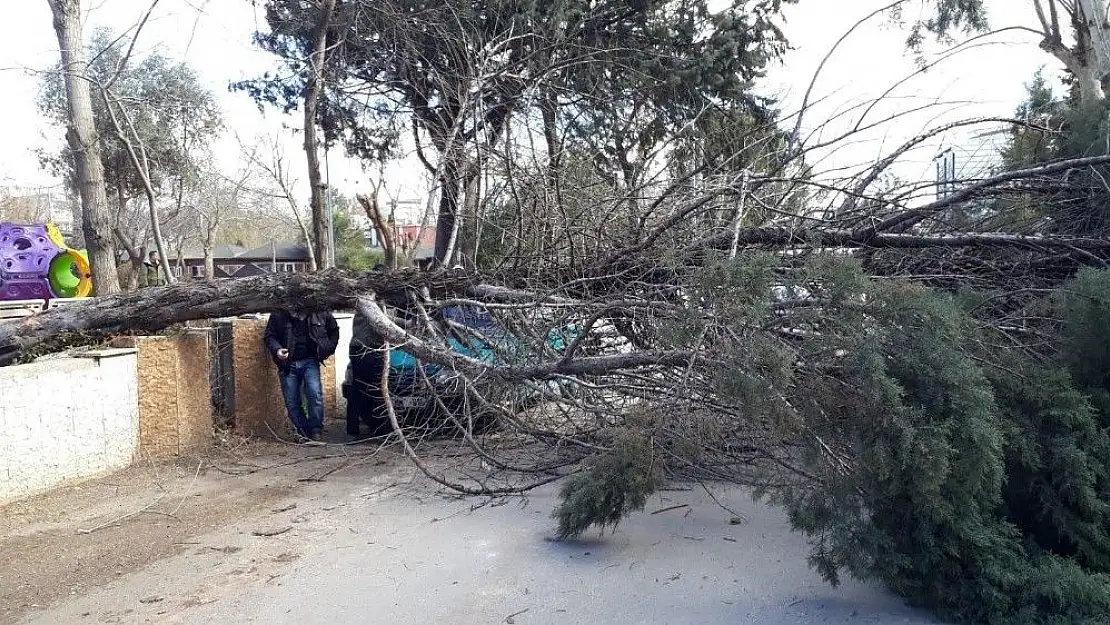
{"points": [[323, 331]]}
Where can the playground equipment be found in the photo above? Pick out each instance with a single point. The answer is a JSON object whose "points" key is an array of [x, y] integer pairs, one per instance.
{"points": [[36, 264]]}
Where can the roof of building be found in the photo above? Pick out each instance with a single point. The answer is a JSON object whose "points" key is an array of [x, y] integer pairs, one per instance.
{"points": [[223, 250], [279, 251]]}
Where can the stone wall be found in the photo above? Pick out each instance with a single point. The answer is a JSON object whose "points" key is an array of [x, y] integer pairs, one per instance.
{"points": [[66, 419], [70, 418]]}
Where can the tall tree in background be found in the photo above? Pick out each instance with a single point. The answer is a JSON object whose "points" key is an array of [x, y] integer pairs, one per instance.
{"points": [[1075, 202], [83, 140], [155, 121], [314, 86], [1075, 32], [456, 72]]}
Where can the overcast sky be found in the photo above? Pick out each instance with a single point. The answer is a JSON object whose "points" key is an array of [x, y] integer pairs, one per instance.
{"points": [[214, 37]]}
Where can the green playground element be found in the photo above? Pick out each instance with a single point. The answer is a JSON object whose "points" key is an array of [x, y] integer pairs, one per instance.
{"points": [[65, 273]]}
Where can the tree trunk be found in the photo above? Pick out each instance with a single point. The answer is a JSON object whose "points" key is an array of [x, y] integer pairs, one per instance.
{"points": [[386, 234], [83, 142], [159, 242], [156, 308], [321, 233], [448, 212], [470, 227], [1092, 19]]}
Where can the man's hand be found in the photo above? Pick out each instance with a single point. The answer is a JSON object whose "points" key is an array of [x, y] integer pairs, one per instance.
{"points": [[283, 354]]}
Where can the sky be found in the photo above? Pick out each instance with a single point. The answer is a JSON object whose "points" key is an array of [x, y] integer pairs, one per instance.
{"points": [[214, 36]]}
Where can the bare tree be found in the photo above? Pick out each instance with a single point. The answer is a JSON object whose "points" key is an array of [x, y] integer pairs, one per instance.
{"points": [[212, 203], [83, 142], [382, 224], [276, 170], [136, 150]]}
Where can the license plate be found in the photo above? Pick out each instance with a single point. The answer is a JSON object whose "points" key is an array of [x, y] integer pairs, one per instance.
{"points": [[411, 401]]}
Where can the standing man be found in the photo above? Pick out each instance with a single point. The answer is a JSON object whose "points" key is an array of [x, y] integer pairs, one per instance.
{"points": [[153, 270], [367, 358], [298, 343]]}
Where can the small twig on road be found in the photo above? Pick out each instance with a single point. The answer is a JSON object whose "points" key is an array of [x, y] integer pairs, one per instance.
{"points": [[187, 490], [272, 532], [721, 505], [126, 516], [669, 508], [510, 618]]}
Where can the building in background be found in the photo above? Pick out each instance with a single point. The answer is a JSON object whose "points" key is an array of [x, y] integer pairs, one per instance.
{"points": [[977, 157], [232, 261]]}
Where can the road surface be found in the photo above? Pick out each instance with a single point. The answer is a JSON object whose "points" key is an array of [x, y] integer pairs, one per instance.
{"points": [[375, 543]]}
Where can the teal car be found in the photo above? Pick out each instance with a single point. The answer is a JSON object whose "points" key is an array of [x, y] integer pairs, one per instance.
{"points": [[421, 391]]}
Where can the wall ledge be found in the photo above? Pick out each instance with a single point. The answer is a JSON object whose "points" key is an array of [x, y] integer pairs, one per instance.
{"points": [[100, 354]]}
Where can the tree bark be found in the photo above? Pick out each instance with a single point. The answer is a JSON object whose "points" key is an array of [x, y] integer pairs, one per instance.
{"points": [[470, 229], [156, 308], [209, 261], [448, 211], [1091, 18], [383, 226], [83, 142], [321, 233]]}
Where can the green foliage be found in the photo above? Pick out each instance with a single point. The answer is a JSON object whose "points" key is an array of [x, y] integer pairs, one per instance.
{"points": [[945, 18], [640, 69], [1085, 304], [613, 484], [351, 251], [172, 113], [970, 479], [1055, 128]]}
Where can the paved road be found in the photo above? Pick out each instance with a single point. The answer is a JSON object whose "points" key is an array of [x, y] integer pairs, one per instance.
{"points": [[356, 554]]}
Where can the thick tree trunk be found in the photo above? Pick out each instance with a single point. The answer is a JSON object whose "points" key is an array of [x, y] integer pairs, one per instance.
{"points": [[320, 230], [1092, 18], [464, 248], [156, 308], [83, 142]]}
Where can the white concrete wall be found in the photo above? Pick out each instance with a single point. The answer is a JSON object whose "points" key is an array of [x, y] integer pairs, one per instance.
{"points": [[66, 419], [342, 357]]}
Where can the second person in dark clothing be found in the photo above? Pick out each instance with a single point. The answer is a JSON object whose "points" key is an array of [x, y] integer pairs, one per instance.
{"points": [[298, 343]]}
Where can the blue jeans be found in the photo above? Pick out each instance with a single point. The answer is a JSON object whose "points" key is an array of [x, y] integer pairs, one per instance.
{"points": [[295, 376]]}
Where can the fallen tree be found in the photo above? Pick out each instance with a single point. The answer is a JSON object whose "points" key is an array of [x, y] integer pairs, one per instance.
{"points": [[154, 309]]}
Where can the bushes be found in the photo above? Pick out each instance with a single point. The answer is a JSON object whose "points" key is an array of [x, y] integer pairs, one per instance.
{"points": [[970, 477]]}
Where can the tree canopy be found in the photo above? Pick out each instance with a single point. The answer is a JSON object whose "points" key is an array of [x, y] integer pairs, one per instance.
{"points": [[616, 75], [171, 112]]}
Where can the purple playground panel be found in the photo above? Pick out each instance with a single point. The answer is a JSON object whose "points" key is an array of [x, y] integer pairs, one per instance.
{"points": [[25, 255]]}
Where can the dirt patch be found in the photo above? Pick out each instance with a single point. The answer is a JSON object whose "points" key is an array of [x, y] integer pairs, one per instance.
{"points": [[80, 537]]}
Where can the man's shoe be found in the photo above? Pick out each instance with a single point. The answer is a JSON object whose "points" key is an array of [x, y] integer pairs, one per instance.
{"points": [[316, 436]]}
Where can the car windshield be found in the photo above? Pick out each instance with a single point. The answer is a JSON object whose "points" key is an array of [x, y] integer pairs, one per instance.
{"points": [[471, 317]]}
